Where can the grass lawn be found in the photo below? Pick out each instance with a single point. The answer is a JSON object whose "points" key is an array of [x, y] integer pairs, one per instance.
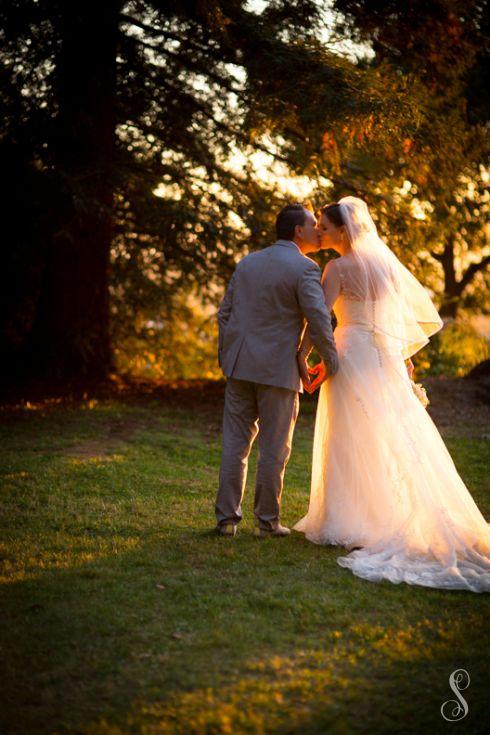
{"points": [[121, 612]]}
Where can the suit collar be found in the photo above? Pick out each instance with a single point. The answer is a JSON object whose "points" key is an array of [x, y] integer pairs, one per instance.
{"points": [[288, 244]]}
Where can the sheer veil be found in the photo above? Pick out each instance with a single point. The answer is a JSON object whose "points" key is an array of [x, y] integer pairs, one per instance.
{"points": [[397, 306]]}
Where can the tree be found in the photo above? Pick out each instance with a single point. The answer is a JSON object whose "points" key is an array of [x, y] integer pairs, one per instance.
{"points": [[108, 103], [58, 144], [430, 190]]}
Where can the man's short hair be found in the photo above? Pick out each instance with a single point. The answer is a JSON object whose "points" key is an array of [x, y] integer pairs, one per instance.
{"points": [[288, 218]]}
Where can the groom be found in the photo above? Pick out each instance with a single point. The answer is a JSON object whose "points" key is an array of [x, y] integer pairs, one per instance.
{"points": [[261, 320]]}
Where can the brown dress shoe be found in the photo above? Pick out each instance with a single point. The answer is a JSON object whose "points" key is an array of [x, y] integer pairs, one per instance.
{"points": [[276, 531], [226, 529]]}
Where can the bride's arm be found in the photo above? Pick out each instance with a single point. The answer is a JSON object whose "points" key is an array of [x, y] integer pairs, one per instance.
{"points": [[331, 283], [331, 290]]}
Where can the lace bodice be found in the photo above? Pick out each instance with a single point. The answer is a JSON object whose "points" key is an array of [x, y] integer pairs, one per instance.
{"points": [[351, 306], [354, 305], [350, 310], [347, 288]]}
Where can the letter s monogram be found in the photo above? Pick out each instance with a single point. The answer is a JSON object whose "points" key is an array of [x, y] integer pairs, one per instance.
{"points": [[461, 708]]}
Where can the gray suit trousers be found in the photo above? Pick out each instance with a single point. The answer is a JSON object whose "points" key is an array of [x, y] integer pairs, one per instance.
{"points": [[251, 409]]}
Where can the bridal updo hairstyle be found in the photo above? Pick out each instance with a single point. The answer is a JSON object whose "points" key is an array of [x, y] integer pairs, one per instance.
{"points": [[290, 216], [332, 212]]}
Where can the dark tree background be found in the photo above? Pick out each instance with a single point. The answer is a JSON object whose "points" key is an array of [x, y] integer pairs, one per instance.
{"points": [[106, 103]]}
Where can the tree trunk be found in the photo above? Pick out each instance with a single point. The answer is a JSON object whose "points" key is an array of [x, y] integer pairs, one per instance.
{"points": [[453, 289], [449, 306], [70, 339], [451, 294]]}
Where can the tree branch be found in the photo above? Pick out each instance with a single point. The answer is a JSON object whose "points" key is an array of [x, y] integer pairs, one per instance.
{"points": [[437, 256], [193, 66], [155, 33], [472, 270]]}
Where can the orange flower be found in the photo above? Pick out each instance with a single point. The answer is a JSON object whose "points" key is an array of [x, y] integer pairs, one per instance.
{"points": [[407, 145]]}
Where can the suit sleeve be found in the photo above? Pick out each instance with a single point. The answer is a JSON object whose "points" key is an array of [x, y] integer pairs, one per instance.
{"points": [[312, 304], [224, 312]]}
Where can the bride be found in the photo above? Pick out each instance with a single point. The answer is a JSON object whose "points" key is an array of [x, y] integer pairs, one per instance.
{"points": [[383, 483]]}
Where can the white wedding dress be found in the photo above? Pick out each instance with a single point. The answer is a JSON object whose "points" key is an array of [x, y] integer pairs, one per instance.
{"points": [[382, 478]]}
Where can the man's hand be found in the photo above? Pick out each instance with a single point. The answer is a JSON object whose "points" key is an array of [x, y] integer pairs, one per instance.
{"points": [[321, 372], [303, 371], [410, 368]]}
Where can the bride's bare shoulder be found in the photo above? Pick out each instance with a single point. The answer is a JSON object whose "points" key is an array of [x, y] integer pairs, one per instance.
{"points": [[347, 259], [329, 269], [347, 263]]}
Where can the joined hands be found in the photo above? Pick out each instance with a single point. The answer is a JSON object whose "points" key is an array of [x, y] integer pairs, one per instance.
{"points": [[305, 372]]}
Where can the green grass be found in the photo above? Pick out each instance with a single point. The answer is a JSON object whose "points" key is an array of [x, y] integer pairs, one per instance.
{"points": [[122, 613]]}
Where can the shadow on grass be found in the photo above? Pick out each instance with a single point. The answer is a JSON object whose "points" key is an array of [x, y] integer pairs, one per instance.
{"points": [[125, 613], [191, 633]]}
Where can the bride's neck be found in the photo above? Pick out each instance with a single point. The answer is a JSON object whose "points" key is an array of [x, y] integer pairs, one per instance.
{"points": [[344, 249]]}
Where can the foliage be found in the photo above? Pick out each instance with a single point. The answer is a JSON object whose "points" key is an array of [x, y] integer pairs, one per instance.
{"points": [[107, 104], [180, 343], [429, 191], [453, 351], [128, 177]]}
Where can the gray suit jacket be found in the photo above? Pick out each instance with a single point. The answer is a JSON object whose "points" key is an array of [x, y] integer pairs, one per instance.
{"points": [[261, 317]]}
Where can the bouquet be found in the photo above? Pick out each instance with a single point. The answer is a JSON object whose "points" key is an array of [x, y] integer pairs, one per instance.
{"points": [[420, 392]]}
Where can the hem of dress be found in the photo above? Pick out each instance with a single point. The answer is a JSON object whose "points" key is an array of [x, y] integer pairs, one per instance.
{"points": [[324, 541]]}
